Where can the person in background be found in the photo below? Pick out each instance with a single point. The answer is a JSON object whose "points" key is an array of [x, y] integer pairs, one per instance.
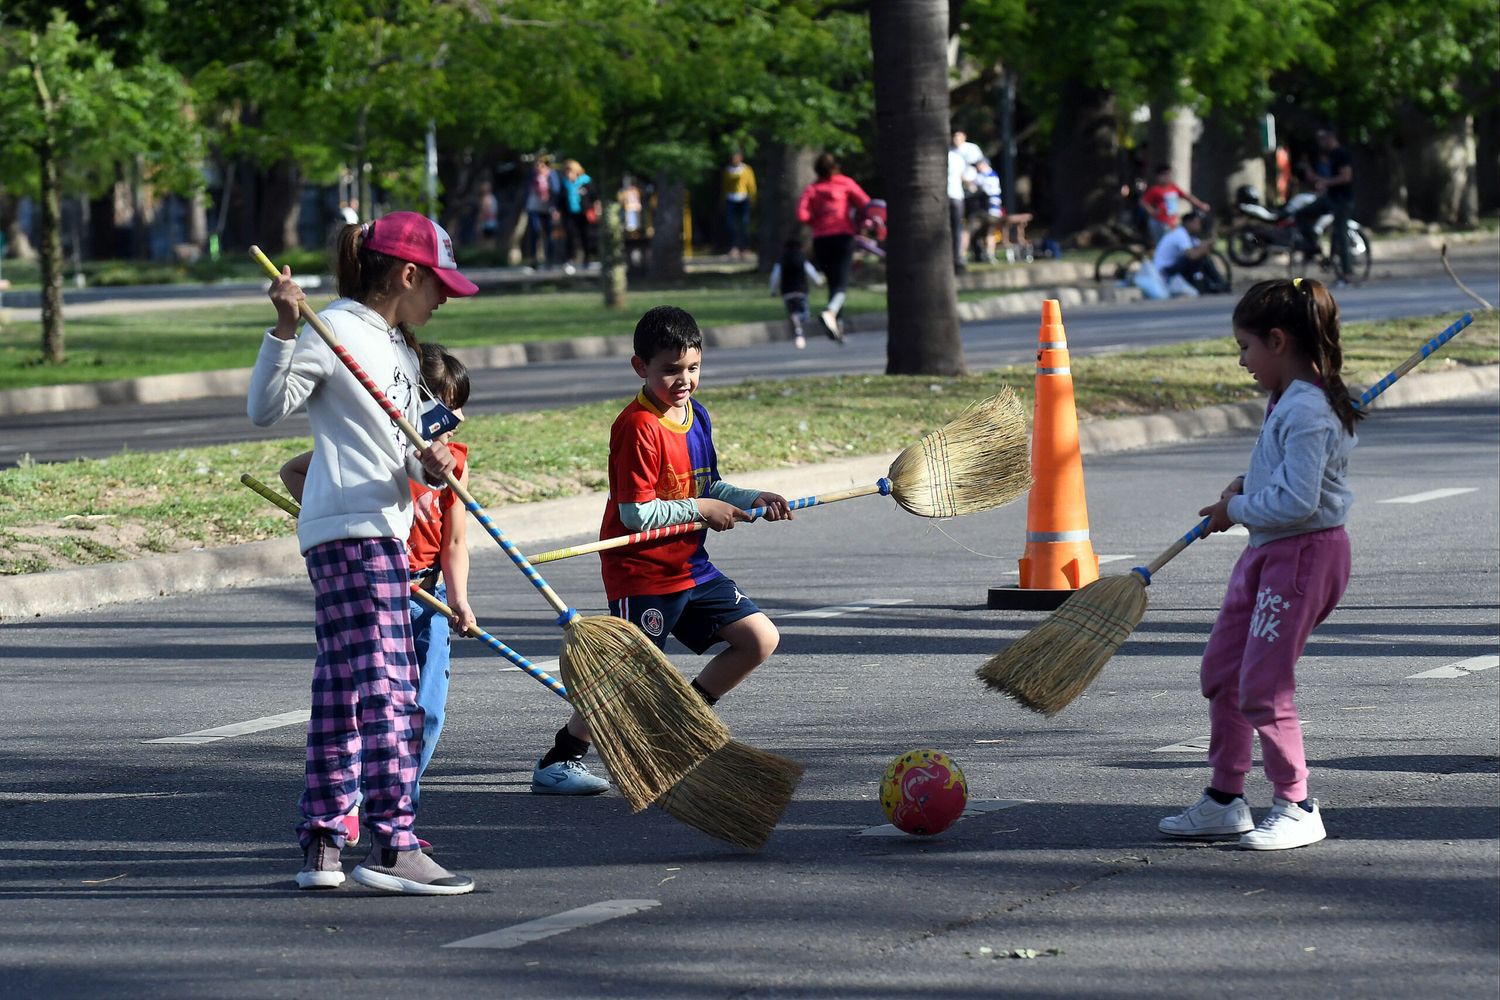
{"points": [[577, 204], [790, 276], [738, 185], [829, 205], [1163, 201], [543, 189], [962, 156]]}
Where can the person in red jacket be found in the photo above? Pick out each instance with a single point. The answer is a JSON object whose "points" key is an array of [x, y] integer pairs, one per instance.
{"points": [[829, 206]]}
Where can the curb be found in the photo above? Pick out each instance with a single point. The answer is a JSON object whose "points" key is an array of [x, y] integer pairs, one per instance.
{"points": [[536, 524], [236, 381]]}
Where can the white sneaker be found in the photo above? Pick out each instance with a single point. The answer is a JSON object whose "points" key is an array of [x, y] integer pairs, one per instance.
{"points": [[830, 320], [1207, 818], [1287, 825], [800, 341]]}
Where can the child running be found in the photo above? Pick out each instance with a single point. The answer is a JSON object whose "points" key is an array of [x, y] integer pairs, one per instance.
{"points": [[789, 276], [365, 725], [1294, 499], [663, 471], [828, 205]]}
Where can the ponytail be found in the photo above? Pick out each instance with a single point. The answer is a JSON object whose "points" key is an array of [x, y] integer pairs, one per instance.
{"points": [[362, 273], [1307, 312]]}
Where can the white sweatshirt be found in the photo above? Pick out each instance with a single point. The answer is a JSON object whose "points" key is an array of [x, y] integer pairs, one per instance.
{"points": [[357, 485]]}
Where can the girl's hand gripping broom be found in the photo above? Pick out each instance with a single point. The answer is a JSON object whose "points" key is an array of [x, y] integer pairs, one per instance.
{"points": [[978, 461], [650, 727], [747, 824], [1051, 665]]}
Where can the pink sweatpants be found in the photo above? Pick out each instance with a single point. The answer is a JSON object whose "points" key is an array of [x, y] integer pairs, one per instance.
{"points": [[1277, 595]]}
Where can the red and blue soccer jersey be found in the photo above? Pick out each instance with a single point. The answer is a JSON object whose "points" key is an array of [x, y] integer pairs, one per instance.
{"points": [[653, 458]]}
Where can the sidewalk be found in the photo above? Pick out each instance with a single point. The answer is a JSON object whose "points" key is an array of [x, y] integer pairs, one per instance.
{"points": [[534, 527]]}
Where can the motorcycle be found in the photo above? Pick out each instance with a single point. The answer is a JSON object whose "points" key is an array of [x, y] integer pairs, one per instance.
{"points": [[1258, 231]]}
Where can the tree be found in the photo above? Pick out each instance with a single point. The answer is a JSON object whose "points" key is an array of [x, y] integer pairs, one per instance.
{"points": [[77, 114], [909, 40]]}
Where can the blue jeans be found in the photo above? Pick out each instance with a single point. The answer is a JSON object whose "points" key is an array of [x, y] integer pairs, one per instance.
{"points": [[431, 634]]}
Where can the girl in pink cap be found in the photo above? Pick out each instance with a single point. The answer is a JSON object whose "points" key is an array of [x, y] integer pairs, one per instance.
{"points": [[365, 726]]}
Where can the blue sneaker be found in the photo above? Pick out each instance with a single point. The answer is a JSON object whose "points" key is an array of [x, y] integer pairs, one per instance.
{"points": [[566, 777]]}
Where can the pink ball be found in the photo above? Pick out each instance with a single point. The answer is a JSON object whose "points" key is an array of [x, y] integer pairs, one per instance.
{"points": [[923, 792]]}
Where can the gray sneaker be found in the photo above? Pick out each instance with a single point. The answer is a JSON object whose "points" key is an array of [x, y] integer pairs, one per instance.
{"points": [[410, 872], [566, 777], [320, 865]]}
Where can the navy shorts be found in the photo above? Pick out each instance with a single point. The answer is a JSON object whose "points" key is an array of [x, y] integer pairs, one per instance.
{"points": [[694, 616]]}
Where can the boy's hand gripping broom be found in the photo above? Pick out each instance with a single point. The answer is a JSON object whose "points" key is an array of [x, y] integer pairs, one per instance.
{"points": [[650, 727], [746, 823], [1052, 664], [978, 461]]}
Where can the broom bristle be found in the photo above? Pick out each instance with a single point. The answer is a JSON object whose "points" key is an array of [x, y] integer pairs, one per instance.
{"points": [[650, 727], [1051, 665], [738, 794], [978, 461]]}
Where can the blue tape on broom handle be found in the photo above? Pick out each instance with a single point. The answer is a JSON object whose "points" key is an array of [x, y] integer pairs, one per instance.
{"points": [[1365, 399], [516, 556], [520, 661], [882, 484]]}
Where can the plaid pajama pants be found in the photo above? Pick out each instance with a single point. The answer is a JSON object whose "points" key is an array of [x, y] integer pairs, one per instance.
{"points": [[365, 727]]}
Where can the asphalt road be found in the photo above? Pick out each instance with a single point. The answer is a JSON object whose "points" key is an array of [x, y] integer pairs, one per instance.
{"points": [[135, 869], [1414, 288]]}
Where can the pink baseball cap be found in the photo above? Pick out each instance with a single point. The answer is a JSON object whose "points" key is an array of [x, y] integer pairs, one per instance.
{"points": [[413, 237]]}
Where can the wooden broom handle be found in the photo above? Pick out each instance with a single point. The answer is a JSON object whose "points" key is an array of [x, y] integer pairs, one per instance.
{"points": [[882, 486], [1365, 399], [565, 613], [430, 600]]}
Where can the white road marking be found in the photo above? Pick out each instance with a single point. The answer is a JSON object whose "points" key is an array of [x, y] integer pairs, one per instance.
{"points": [[558, 923], [1233, 531], [975, 808], [845, 609], [551, 666], [296, 718], [1462, 668], [1451, 491], [1199, 744]]}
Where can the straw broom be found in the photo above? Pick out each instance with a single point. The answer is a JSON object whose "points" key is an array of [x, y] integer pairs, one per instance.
{"points": [[746, 822], [1052, 664], [651, 728], [978, 461]]}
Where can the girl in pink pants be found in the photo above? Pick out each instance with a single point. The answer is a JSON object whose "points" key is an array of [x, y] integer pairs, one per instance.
{"points": [[1294, 499]]}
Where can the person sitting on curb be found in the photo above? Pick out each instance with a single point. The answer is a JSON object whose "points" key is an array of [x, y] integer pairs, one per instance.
{"points": [[1184, 262]]}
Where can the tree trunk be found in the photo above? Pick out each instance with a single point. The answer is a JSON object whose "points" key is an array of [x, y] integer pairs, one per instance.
{"points": [[1380, 185], [782, 172], [1083, 160], [1487, 153], [612, 277], [17, 242], [909, 39], [666, 233], [280, 206], [1171, 135], [1440, 163], [52, 301], [1227, 155]]}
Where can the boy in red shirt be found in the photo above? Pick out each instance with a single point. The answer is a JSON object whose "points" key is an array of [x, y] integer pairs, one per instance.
{"points": [[1162, 206], [663, 471]]}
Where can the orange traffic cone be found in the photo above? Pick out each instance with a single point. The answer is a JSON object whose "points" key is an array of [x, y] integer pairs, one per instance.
{"points": [[1059, 557]]}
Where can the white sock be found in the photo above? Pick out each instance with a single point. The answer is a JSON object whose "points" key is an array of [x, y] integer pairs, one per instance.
{"points": [[836, 302]]}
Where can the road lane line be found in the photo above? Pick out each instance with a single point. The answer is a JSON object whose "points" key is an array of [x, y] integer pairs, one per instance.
{"points": [[1102, 561], [260, 725], [1462, 668], [974, 808], [845, 609], [1199, 744], [551, 666], [545, 927], [1451, 491]]}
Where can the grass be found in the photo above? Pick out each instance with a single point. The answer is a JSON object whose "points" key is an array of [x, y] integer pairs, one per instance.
{"points": [[91, 511]]}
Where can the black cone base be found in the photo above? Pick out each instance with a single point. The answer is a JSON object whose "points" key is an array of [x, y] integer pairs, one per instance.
{"points": [[1013, 598]]}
